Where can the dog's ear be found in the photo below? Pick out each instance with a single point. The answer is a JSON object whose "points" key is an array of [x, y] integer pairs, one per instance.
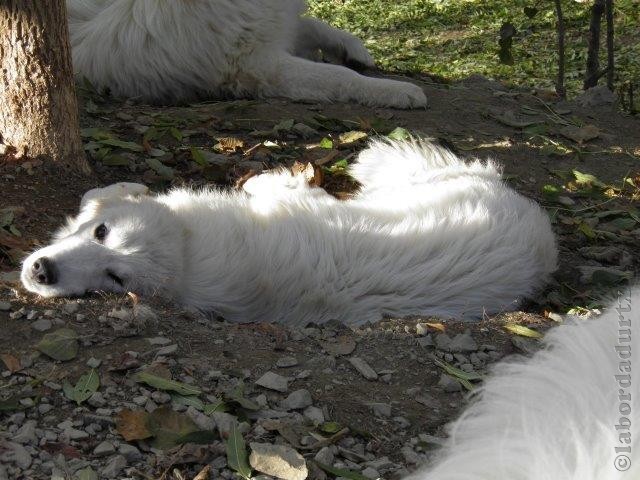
{"points": [[117, 190]]}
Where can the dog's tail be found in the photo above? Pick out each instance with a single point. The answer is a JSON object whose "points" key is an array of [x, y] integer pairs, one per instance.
{"points": [[413, 163], [568, 413]]}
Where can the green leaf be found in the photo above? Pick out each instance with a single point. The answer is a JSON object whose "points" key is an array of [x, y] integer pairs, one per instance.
{"points": [[623, 223], [586, 179], [87, 385], [550, 192], [399, 133], [10, 404], [200, 437], [166, 384], [330, 427], [60, 345], [237, 457], [341, 472], [168, 427], [326, 143], [115, 160], [114, 142], [456, 372], [198, 157], [522, 330], [610, 277], [352, 136], [96, 133], [86, 473], [219, 406], [187, 401], [586, 230], [67, 388], [160, 168], [175, 133]]}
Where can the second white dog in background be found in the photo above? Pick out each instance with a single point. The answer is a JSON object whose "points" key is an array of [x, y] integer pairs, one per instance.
{"points": [[180, 50], [427, 234]]}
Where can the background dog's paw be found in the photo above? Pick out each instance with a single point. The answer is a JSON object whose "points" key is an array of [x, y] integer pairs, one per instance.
{"points": [[356, 55], [403, 95]]}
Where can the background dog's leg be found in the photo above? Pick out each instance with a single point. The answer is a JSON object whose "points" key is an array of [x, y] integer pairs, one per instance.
{"points": [[337, 45], [299, 79]]}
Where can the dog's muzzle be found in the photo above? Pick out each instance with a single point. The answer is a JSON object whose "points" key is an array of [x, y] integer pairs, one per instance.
{"points": [[43, 271]]}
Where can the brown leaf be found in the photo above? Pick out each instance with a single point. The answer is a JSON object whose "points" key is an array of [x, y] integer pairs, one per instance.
{"points": [[580, 134], [11, 362], [327, 158], [132, 424], [436, 326], [229, 144], [312, 173], [204, 473], [55, 448]]}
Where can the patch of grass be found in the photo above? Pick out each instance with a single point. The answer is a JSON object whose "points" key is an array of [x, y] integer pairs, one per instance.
{"points": [[455, 38]]}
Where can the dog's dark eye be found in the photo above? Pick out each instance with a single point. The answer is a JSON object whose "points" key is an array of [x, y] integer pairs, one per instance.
{"points": [[100, 232]]}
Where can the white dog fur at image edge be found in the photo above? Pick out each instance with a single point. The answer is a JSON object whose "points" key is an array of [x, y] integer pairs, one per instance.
{"points": [[427, 234], [569, 413], [181, 50]]}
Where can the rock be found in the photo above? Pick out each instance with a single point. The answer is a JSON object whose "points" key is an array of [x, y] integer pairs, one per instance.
{"points": [[298, 400], [279, 461], [120, 313], [71, 307], [325, 455], [144, 314], [130, 452], [381, 410], [224, 422], [42, 325], [159, 341], [449, 384], [286, 362], [443, 341], [114, 466], [160, 397], [204, 422], [273, 381], [409, 455], [5, 307], [597, 96], [168, 350], [566, 201], [26, 434], [426, 341], [463, 342], [104, 448], [15, 453], [370, 473], [96, 400], [314, 414], [93, 362], [363, 367]]}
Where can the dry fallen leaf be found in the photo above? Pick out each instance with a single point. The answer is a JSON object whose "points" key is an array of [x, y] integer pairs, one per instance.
{"points": [[229, 144], [312, 173], [580, 134], [11, 362], [132, 425], [436, 326]]}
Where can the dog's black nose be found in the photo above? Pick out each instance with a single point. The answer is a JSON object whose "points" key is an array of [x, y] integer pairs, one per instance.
{"points": [[43, 272]]}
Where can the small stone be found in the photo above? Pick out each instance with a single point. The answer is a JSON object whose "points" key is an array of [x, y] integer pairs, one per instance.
{"points": [[325, 455], [93, 362], [144, 314], [103, 449], [15, 453], [97, 400], [273, 381], [41, 325], [5, 307], [44, 408], [380, 409], [278, 460], [26, 434], [298, 400], [363, 367], [139, 400], [463, 342], [204, 422], [130, 452], [120, 313], [168, 350], [443, 341], [286, 362], [159, 341], [449, 384], [409, 455], [314, 415], [114, 466], [370, 473], [160, 397], [566, 201], [71, 307]]}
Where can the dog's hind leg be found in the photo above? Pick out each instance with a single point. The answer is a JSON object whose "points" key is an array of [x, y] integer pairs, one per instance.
{"points": [[292, 77], [337, 45]]}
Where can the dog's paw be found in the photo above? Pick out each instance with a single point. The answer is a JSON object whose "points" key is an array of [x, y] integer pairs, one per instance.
{"points": [[401, 95]]}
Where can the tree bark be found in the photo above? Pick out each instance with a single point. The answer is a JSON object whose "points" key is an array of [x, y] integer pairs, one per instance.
{"points": [[592, 74], [38, 106], [610, 59], [560, 88]]}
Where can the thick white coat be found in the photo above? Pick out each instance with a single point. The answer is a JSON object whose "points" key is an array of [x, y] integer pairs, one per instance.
{"points": [[180, 50], [560, 415], [427, 235]]}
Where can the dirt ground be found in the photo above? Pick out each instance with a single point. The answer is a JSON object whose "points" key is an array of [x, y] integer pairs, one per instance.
{"points": [[383, 426]]}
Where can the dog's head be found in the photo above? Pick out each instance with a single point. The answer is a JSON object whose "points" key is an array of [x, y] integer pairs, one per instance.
{"points": [[115, 244]]}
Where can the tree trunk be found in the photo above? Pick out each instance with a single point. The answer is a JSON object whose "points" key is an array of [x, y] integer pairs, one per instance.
{"points": [[560, 88], [592, 74], [610, 58], [38, 106]]}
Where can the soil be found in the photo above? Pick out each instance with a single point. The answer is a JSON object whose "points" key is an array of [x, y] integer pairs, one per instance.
{"points": [[215, 355]]}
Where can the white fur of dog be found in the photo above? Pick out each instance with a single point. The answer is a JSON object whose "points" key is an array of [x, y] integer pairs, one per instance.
{"points": [[428, 234], [568, 413], [177, 50]]}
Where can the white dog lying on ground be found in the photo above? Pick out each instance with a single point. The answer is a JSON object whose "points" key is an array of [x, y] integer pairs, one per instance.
{"points": [[568, 413], [427, 234], [177, 50]]}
